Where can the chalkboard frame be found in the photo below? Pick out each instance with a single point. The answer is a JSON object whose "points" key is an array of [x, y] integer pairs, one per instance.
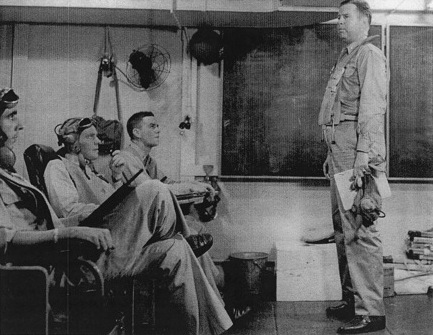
{"points": [[242, 144], [410, 152]]}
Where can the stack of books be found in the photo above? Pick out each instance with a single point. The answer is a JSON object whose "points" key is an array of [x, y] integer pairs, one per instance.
{"points": [[420, 246]]}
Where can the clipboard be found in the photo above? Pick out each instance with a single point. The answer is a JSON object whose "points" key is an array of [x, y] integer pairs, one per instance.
{"points": [[95, 218], [347, 195]]}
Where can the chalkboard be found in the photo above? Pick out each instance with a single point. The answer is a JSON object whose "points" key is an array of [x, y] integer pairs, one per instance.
{"points": [[274, 81], [411, 102]]}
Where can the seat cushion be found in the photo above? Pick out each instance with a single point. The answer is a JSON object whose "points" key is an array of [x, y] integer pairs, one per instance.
{"points": [[36, 158]]}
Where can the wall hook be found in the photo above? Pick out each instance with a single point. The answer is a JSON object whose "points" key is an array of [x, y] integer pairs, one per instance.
{"points": [[186, 124]]}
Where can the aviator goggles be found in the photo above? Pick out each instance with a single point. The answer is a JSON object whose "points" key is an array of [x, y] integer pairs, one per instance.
{"points": [[72, 126]]}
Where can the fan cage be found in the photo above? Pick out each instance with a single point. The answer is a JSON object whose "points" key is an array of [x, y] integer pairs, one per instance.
{"points": [[161, 65]]}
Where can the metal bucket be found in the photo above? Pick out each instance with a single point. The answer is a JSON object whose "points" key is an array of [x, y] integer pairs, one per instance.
{"points": [[249, 268]]}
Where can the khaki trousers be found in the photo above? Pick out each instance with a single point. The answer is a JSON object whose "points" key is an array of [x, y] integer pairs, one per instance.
{"points": [[148, 231], [359, 249]]}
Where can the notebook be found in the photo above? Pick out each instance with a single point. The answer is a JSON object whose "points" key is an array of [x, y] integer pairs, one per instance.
{"points": [[95, 218]]}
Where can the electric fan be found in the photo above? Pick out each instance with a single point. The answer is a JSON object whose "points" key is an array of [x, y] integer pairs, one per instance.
{"points": [[148, 67]]}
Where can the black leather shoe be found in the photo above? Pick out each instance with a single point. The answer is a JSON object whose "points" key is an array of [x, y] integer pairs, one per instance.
{"points": [[320, 240], [342, 312], [200, 243], [363, 324]]}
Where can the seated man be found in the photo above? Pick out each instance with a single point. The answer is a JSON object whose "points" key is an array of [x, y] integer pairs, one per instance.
{"points": [[27, 219], [144, 132], [30, 231], [143, 129]]}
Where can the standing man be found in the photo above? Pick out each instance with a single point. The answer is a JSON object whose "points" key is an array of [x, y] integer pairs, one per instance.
{"points": [[352, 117]]}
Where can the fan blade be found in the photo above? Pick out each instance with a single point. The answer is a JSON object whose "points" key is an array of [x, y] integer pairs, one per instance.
{"points": [[146, 79], [143, 65]]}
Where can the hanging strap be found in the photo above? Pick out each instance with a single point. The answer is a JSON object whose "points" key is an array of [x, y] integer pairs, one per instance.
{"points": [[116, 88], [97, 91], [107, 65]]}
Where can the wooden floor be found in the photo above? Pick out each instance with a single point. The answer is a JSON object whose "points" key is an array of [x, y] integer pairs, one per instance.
{"points": [[406, 315]]}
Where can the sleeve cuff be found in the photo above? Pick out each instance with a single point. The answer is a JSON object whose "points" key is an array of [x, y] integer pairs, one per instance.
{"points": [[116, 180], [363, 145]]}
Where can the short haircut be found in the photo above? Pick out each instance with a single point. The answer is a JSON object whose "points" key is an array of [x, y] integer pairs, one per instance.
{"points": [[134, 121], [362, 6]]}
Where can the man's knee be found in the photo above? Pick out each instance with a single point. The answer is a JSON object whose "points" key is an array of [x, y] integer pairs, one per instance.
{"points": [[152, 187], [173, 249], [172, 257], [180, 249]]}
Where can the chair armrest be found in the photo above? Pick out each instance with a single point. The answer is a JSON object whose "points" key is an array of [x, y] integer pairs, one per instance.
{"points": [[76, 248], [11, 267], [50, 254], [67, 255], [24, 306], [83, 254]]}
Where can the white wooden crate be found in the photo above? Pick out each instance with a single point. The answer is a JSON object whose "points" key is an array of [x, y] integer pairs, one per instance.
{"points": [[307, 272]]}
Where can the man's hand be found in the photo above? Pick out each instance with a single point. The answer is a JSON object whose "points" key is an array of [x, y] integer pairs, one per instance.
{"points": [[203, 187], [117, 163], [191, 187], [326, 165], [101, 238], [360, 167]]}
